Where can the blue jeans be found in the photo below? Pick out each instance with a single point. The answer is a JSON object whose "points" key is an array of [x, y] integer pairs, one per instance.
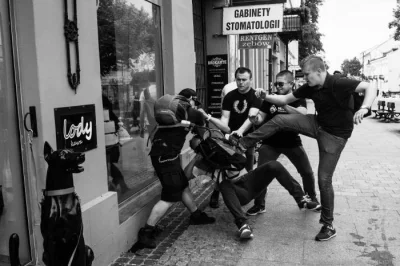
{"points": [[330, 147], [298, 156], [251, 184]]}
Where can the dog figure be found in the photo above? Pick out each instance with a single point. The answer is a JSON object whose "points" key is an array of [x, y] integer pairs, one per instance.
{"points": [[61, 217]]}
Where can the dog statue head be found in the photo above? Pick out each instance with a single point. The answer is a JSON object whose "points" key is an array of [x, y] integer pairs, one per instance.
{"points": [[62, 164]]}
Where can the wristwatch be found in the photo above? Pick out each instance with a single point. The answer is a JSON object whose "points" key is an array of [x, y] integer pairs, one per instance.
{"points": [[365, 107]]}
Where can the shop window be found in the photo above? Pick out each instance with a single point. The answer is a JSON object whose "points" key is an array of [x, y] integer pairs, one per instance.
{"points": [[131, 81]]}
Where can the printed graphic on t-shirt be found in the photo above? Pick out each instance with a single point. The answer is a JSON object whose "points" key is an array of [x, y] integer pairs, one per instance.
{"points": [[240, 107]]}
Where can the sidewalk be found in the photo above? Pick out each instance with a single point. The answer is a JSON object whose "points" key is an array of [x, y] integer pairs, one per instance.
{"points": [[367, 216]]}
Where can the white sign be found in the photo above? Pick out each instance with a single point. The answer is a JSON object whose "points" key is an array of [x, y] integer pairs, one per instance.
{"points": [[252, 19]]}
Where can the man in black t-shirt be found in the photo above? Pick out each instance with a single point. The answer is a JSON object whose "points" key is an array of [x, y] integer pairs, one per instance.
{"points": [[286, 142], [165, 158], [236, 107], [331, 126]]}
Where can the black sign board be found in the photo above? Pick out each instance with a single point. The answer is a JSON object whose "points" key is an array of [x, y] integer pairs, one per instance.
{"points": [[76, 127], [217, 77]]}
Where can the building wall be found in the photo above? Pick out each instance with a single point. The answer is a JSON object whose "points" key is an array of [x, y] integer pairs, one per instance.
{"points": [[43, 68]]}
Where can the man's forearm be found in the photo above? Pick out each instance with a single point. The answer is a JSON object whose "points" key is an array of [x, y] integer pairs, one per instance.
{"points": [[275, 99], [370, 95], [218, 123], [246, 126]]}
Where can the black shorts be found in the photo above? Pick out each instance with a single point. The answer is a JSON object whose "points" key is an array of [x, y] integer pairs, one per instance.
{"points": [[170, 173]]}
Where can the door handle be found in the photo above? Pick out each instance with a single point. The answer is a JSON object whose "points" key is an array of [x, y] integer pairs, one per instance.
{"points": [[32, 115]]}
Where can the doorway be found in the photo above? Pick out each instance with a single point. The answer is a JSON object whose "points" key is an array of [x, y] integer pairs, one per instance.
{"points": [[13, 211]]}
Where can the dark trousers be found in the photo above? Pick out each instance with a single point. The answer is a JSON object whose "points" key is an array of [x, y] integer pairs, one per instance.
{"points": [[330, 147], [252, 184], [297, 155]]}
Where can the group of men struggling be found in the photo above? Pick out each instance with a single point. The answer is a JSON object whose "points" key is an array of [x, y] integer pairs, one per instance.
{"points": [[250, 116]]}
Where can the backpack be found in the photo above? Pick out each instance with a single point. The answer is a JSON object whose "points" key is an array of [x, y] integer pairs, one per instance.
{"points": [[170, 110], [219, 154], [355, 102]]}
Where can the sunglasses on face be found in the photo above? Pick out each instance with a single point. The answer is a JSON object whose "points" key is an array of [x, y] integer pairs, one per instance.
{"points": [[280, 84]]}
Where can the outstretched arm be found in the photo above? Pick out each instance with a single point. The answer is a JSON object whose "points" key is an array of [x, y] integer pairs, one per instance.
{"points": [[276, 99], [217, 122]]}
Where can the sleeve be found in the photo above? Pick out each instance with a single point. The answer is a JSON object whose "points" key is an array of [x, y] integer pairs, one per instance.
{"points": [[302, 92], [299, 103], [344, 87], [257, 102], [227, 102], [265, 107]]}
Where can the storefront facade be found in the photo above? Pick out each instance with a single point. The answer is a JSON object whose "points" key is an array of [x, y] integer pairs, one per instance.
{"points": [[129, 53]]}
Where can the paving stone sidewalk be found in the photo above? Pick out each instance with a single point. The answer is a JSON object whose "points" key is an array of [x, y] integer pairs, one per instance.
{"points": [[367, 216]]}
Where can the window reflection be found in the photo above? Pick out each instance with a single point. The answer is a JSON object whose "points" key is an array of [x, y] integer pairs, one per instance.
{"points": [[130, 65]]}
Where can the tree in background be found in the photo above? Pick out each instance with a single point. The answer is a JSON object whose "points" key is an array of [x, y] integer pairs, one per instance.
{"points": [[396, 23], [351, 67], [125, 33], [311, 39]]}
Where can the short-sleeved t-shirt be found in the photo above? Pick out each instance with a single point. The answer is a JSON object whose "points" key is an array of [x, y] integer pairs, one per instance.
{"points": [[169, 141], [331, 116], [282, 139], [239, 105]]}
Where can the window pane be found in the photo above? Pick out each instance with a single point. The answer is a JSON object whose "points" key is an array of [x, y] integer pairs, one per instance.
{"points": [[131, 75]]}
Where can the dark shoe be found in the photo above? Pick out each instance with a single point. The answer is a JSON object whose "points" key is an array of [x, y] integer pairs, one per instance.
{"points": [[307, 203], [214, 199], [314, 199], [147, 238], [256, 209], [245, 232], [201, 218], [326, 233]]}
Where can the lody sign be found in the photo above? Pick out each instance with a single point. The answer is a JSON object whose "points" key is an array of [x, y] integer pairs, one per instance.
{"points": [[252, 19], [217, 77], [76, 127], [254, 41]]}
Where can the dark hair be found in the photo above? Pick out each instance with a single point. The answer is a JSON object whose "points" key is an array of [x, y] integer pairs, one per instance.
{"points": [[287, 74], [187, 92], [242, 70]]}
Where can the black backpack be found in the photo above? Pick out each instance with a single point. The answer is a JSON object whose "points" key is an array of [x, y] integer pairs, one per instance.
{"points": [[219, 154], [355, 101]]}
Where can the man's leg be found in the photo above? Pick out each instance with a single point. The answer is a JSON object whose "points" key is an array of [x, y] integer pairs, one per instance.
{"points": [[196, 217], [303, 124], [214, 198], [266, 154], [249, 159], [330, 148], [298, 157]]}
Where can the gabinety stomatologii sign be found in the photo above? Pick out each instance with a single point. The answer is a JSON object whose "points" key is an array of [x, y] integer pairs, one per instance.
{"points": [[252, 19]]}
